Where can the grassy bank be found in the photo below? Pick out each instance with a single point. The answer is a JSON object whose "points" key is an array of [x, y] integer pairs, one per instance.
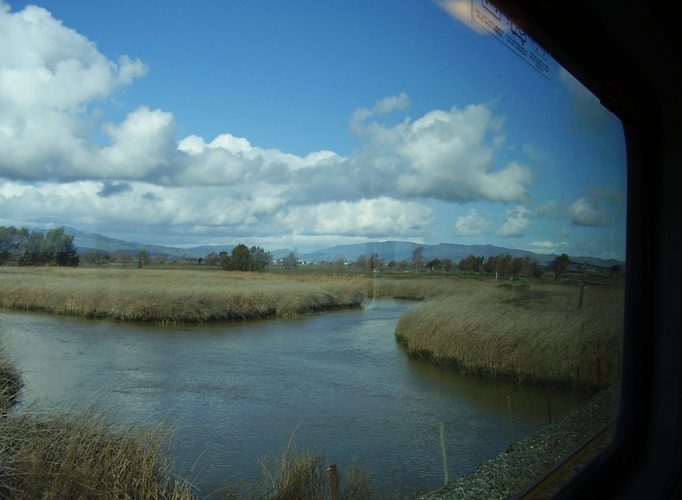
{"points": [[172, 296], [303, 475], [515, 470], [10, 384], [55, 455], [526, 333]]}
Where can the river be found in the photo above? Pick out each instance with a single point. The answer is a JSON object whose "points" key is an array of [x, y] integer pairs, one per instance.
{"points": [[338, 381]]}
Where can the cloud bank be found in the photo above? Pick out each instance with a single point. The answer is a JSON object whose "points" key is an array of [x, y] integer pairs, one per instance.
{"points": [[60, 162]]}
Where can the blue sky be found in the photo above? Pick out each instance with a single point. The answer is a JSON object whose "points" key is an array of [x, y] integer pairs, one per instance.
{"points": [[299, 125]]}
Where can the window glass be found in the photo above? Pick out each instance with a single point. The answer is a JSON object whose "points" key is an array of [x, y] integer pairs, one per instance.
{"points": [[387, 236]]}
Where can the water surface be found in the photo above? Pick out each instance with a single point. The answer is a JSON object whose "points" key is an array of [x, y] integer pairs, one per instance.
{"points": [[236, 391]]}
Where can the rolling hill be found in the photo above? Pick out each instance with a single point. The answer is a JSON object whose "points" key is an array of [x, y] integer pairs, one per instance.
{"points": [[387, 250]]}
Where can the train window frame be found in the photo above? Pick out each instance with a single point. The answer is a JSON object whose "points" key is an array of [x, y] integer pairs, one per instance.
{"points": [[648, 440], [623, 56]]}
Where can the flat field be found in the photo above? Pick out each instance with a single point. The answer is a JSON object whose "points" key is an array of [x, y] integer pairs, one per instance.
{"points": [[171, 296], [527, 332]]}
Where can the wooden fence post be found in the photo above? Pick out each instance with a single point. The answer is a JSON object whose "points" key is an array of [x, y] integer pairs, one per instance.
{"points": [[443, 453], [582, 293], [509, 413], [334, 481]]}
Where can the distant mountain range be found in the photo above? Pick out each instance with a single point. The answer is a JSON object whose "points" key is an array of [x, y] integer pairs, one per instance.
{"points": [[387, 250], [402, 250], [86, 242]]}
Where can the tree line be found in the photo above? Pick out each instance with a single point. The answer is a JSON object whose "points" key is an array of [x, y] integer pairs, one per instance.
{"points": [[242, 258], [503, 266], [22, 247], [499, 266]]}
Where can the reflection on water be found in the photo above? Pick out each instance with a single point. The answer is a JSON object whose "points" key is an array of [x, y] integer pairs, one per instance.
{"points": [[235, 391]]}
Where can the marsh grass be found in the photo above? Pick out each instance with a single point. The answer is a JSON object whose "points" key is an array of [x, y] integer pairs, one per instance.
{"points": [[52, 454], [532, 333], [419, 288], [171, 296], [304, 475], [11, 384], [295, 475]]}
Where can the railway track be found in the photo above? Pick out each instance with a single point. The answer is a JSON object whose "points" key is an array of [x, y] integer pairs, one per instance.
{"points": [[553, 481]]}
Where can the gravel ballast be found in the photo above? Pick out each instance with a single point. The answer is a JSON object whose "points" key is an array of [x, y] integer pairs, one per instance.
{"points": [[511, 472]]}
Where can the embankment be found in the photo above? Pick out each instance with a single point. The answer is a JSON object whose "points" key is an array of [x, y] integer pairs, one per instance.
{"points": [[525, 333], [56, 454], [10, 384], [525, 462], [173, 296]]}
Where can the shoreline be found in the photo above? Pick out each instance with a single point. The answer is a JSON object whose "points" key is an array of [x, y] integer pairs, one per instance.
{"points": [[527, 335], [491, 374], [531, 459], [172, 297], [167, 323]]}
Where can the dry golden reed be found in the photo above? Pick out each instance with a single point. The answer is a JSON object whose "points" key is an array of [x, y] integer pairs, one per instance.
{"points": [[420, 288], [52, 455], [526, 333], [55, 454], [304, 476], [11, 384], [170, 296]]}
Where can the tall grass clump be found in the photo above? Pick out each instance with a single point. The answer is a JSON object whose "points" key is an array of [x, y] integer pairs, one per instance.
{"points": [[54, 455], [301, 475], [11, 384], [171, 296], [295, 475], [526, 333]]}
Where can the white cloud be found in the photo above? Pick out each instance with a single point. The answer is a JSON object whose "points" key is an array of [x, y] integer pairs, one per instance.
{"points": [[48, 76], [141, 144], [51, 77], [299, 242], [447, 155], [380, 217], [392, 103], [472, 224], [219, 211], [192, 145], [134, 204], [382, 107], [585, 213], [516, 221], [45, 64], [545, 246], [56, 169], [228, 159]]}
